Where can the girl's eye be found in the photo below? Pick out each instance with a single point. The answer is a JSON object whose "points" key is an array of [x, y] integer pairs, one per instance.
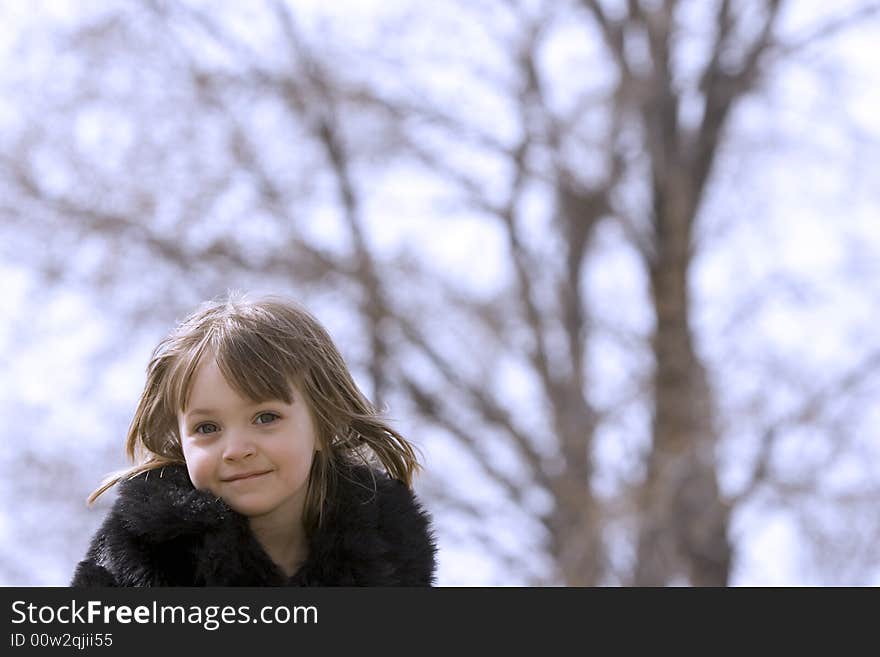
{"points": [[266, 418], [207, 427]]}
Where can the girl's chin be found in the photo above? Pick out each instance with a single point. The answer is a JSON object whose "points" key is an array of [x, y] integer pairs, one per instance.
{"points": [[247, 507]]}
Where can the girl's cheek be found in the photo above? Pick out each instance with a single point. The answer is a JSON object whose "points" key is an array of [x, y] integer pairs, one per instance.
{"points": [[198, 465], [198, 478]]}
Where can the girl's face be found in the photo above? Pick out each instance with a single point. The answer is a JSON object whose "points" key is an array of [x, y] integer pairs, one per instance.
{"points": [[256, 457]]}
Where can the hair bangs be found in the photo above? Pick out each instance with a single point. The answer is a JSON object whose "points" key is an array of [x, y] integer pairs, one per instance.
{"points": [[180, 378], [252, 365]]}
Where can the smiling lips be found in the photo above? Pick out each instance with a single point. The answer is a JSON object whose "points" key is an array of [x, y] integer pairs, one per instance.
{"points": [[246, 476]]}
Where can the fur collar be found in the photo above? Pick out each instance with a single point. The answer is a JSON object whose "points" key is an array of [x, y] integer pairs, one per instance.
{"points": [[162, 531]]}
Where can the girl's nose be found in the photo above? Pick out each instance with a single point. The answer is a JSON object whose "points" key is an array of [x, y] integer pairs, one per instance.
{"points": [[238, 445]]}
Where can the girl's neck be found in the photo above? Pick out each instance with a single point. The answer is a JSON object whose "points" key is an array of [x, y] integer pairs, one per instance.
{"points": [[285, 544]]}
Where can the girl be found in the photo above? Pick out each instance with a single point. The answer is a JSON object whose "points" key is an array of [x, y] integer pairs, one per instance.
{"points": [[253, 451]]}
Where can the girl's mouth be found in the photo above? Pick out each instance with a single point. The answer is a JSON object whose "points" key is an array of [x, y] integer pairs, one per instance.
{"points": [[245, 476]]}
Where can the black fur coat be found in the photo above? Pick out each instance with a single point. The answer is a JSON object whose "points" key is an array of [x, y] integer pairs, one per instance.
{"points": [[161, 531]]}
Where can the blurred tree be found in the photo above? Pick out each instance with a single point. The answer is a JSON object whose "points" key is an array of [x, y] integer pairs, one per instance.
{"points": [[161, 152]]}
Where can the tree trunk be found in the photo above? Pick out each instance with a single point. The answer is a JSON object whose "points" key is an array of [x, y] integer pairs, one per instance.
{"points": [[684, 521], [575, 524], [576, 532]]}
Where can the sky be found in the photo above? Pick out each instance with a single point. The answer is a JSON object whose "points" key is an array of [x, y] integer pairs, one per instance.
{"points": [[48, 334]]}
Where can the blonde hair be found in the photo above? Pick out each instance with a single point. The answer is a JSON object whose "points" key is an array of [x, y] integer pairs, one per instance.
{"points": [[262, 346]]}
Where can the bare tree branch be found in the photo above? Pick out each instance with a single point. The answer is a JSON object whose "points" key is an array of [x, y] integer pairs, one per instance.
{"points": [[807, 413]]}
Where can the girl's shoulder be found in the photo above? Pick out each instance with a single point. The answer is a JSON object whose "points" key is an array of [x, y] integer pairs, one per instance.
{"points": [[367, 485], [383, 515]]}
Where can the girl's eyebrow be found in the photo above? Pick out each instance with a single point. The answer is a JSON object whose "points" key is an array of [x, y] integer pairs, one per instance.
{"points": [[200, 411], [211, 411]]}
